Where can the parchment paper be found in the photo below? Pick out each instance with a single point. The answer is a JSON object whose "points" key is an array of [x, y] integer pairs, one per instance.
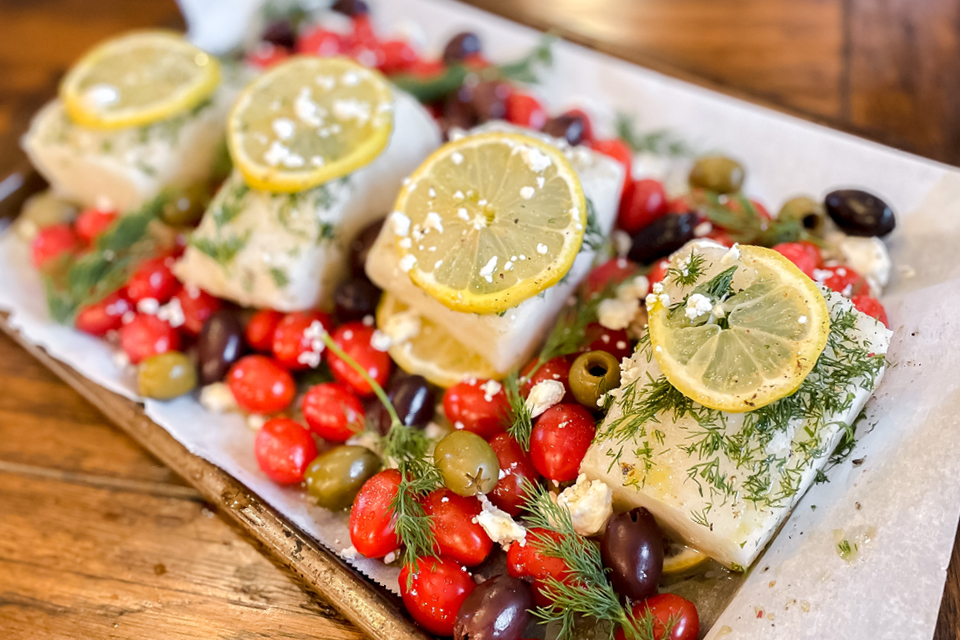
{"points": [[900, 502]]}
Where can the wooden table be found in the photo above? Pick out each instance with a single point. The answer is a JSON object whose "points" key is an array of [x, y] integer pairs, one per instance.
{"points": [[99, 540]]}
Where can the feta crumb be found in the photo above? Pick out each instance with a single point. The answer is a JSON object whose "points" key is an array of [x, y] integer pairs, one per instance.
{"points": [[621, 242], [284, 128], [486, 272], [802, 319], [433, 221], [435, 431], [121, 359], [218, 398], [401, 224], [456, 157], [526, 193], [390, 557], [868, 257], [172, 312], [349, 553], [255, 421], [698, 305], [590, 504], [150, 306], [498, 524], [408, 262], [458, 195], [544, 395], [380, 340], [367, 440], [536, 160], [732, 254], [490, 389], [702, 229], [401, 327], [614, 313], [542, 248]]}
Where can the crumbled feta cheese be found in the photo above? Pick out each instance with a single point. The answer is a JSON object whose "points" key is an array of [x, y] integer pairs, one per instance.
{"points": [[218, 398], [150, 306], [380, 340], [590, 503], [255, 421], [698, 305], [498, 524], [349, 553], [526, 192], [490, 389], [614, 313], [536, 160], [352, 109], [366, 439], [401, 224], [456, 157], [544, 395], [408, 262], [542, 248], [732, 254], [486, 272], [390, 557], [401, 327], [121, 359], [869, 258], [702, 229], [621, 242], [802, 319], [172, 312], [284, 128]]}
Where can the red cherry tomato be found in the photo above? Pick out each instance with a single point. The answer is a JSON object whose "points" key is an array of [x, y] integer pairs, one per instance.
{"points": [[363, 31], [658, 272], [668, 609], [525, 111], [433, 591], [333, 412], [733, 204], [53, 242], [423, 68], [526, 561], [284, 448], [260, 328], [398, 55], [261, 385], [843, 280], [153, 279], [354, 338], [320, 42], [100, 317], [609, 274], [516, 470], [458, 536], [197, 306], [469, 407], [560, 439], [720, 237], [291, 347], [267, 55], [146, 336], [805, 255], [643, 202], [372, 532], [92, 222], [619, 151], [554, 369], [872, 307], [614, 341]]}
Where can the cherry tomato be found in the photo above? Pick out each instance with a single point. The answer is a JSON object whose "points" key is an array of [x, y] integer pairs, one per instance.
{"points": [[354, 338], [525, 111], [260, 328], [470, 407], [433, 591], [614, 341], [92, 222], [372, 532], [363, 32], [267, 55], [733, 204], [320, 42], [609, 274], [398, 55], [197, 306], [560, 439], [333, 412], [261, 385], [805, 255], [424, 68], [668, 609], [516, 469], [643, 202], [872, 307], [526, 561], [658, 272], [619, 151], [720, 236], [458, 536], [146, 336], [554, 369], [153, 279], [685, 203], [293, 346], [100, 317], [53, 242], [284, 448], [843, 280]]}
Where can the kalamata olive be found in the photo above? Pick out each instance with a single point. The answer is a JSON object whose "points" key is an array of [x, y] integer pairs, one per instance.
{"points": [[489, 100], [360, 247], [570, 126], [859, 213], [413, 400], [592, 374], [355, 298], [219, 345], [351, 7], [280, 33], [468, 464], [498, 609], [662, 237], [166, 376], [458, 113], [808, 211], [335, 477], [632, 548], [461, 46], [717, 173]]}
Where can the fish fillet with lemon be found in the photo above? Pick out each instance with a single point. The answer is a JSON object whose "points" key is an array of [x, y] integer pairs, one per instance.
{"points": [[748, 379]]}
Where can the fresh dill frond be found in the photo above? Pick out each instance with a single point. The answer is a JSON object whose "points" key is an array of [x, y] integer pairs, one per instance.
{"points": [[744, 223], [520, 421], [660, 141], [719, 286], [593, 236], [569, 332], [689, 271], [526, 68]]}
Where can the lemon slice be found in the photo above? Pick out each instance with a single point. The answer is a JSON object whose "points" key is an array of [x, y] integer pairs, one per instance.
{"points": [[489, 221], [308, 121], [680, 560], [738, 347], [420, 347], [139, 78]]}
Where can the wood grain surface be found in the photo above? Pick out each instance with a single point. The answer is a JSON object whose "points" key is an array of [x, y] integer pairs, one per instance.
{"points": [[102, 541]]}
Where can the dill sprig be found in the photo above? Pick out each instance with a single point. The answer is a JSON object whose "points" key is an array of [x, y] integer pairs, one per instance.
{"points": [[689, 271], [593, 236], [520, 420], [660, 141], [569, 332], [744, 223], [719, 286], [525, 69]]}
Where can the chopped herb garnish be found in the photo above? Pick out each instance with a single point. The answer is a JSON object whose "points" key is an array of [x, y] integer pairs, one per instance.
{"points": [[280, 277], [223, 251], [519, 419], [660, 142]]}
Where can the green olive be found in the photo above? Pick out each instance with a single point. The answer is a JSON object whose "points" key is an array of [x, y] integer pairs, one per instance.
{"points": [[334, 477], [592, 374], [186, 207], [166, 376], [811, 214], [717, 173], [468, 464]]}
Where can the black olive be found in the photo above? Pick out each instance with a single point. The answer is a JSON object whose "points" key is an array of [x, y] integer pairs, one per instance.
{"points": [[280, 33], [458, 113], [351, 7], [498, 609], [859, 213], [662, 237], [360, 247], [355, 298], [461, 46], [219, 345], [570, 126], [413, 400], [489, 100], [632, 548]]}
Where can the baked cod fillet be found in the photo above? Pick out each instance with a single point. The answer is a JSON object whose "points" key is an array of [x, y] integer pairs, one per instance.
{"points": [[724, 482]]}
